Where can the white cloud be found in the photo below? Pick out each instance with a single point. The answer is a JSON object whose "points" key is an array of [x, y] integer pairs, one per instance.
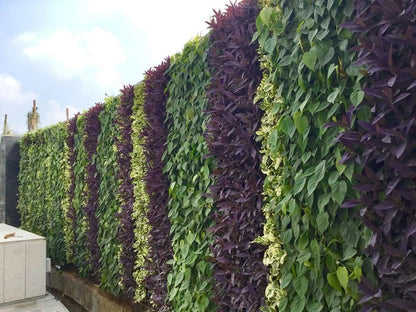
{"points": [[54, 112], [167, 24], [11, 93], [15, 102], [85, 55]]}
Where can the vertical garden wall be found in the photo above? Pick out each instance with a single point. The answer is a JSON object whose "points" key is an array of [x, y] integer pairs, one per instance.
{"points": [[269, 166]]}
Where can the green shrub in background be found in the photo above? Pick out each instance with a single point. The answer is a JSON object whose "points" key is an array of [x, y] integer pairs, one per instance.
{"points": [[315, 247], [189, 283], [80, 238], [43, 185], [108, 205], [141, 198]]}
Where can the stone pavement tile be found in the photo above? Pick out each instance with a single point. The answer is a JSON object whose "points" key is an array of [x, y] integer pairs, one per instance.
{"points": [[46, 304]]}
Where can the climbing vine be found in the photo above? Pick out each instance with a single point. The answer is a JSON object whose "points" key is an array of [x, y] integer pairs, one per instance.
{"points": [[315, 256], [188, 172], [108, 205]]}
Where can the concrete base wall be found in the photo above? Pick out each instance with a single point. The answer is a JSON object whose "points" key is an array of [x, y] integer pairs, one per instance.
{"points": [[9, 170], [88, 295]]}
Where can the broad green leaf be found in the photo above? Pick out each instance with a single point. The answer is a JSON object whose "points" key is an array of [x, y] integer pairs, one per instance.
{"points": [[315, 307], [309, 58], [342, 276], [356, 97], [299, 185], [301, 285], [301, 122], [273, 140], [298, 304], [286, 279], [316, 178], [350, 233], [316, 252], [339, 191], [287, 126], [270, 44], [348, 253], [333, 95], [322, 220], [333, 281], [331, 69], [323, 201], [328, 56], [333, 177], [265, 15], [303, 256]]}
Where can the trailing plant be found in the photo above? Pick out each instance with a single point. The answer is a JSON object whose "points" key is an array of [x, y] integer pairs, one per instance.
{"points": [[240, 276], [157, 185], [92, 180], [141, 198], [385, 147], [315, 249], [189, 282], [108, 205], [43, 183], [124, 145], [70, 214], [81, 254]]}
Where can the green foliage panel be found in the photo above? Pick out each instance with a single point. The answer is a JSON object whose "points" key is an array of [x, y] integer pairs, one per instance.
{"points": [[189, 283], [141, 198], [81, 255], [106, 163], [314, 246], [43, 185]]}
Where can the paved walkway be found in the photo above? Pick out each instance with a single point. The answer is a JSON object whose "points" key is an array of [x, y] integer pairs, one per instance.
{"points": [[45, 304]]}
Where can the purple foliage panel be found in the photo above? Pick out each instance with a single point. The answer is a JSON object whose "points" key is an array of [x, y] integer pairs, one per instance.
{"points": [[240, 276], [72, 156], [157, 184], [92, 130], [126, 194], [386, 148]]}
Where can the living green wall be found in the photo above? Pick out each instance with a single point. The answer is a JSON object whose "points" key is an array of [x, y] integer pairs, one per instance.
{"points": [[244, 173]]}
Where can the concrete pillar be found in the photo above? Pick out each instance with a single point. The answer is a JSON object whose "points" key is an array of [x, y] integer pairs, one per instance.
{"points": [[9, 170]]}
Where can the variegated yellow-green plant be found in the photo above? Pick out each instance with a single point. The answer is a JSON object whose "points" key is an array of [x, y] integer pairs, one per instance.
{"points": [[141, 198], [271, 162]]}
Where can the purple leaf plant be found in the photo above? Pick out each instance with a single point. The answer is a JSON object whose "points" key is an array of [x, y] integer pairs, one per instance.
{"points": [[239, 273], [157, 185], [125, 191], [92, 179], [385, 147]]}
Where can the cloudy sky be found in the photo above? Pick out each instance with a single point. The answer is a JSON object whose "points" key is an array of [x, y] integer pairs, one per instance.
{"points": [[71, 53]]}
